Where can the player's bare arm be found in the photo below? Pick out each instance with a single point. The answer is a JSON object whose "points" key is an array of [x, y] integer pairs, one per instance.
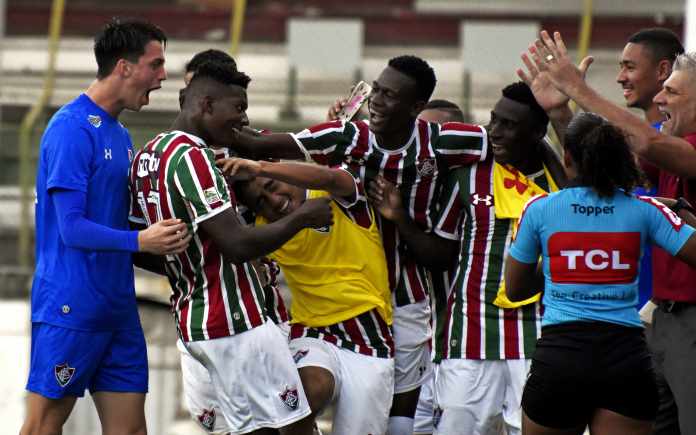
{"points": [[240, 243], [668, 152], [337, 182], [522, 280], [429, 250], [266, 146]]}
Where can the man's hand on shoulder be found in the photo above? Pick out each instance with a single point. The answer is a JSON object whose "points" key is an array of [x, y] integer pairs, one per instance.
{"points": [[316, 213]]}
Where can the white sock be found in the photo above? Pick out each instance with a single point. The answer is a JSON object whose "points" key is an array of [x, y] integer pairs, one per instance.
{"points": [[399, 425]]}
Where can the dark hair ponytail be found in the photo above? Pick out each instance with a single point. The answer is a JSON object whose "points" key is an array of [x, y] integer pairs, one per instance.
{"points": [[601, 154]]}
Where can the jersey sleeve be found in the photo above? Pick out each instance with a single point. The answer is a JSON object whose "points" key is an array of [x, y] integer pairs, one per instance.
{"points": [[666, 229], [460, 144], [527, 244], [326, 143], [450, 210], [201, 184], [356, 206], [68, 154]]}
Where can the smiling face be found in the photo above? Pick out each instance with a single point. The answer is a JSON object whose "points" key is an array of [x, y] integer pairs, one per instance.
{"points": [[144, 76], [512, 132], [224, 113], [272, 199], [392, 103], [640, 76], [677, 102]]}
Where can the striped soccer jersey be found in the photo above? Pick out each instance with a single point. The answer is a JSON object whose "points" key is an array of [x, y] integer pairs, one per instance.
{"points": [[366, 333], [416, 168], [473, 327], [174, 176]]}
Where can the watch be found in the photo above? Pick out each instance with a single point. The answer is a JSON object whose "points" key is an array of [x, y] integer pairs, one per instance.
{"points": [[682, 204]]}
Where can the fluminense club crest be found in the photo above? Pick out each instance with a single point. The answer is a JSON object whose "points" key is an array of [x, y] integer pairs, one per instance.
{"points": [[95, 120], [290, 398], [207, 419], [425, 167], [63, 373]]}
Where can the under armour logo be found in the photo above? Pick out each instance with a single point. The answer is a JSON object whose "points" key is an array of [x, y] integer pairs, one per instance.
{"points": [[476, 199], [107, 153]]}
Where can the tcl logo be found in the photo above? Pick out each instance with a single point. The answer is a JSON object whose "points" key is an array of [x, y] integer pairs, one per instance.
{"points": [[593, 258]]}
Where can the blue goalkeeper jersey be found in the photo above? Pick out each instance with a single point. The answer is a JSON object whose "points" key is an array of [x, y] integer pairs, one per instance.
{"points": [[83, 149]]}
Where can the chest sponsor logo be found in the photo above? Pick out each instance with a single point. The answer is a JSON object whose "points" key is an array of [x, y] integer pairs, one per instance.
{"points": [[207, 419], [211, 195], [95, 120], [147, 163], [425, 167], [290, 398], [63, 373], [477, 199], [594, 258]]}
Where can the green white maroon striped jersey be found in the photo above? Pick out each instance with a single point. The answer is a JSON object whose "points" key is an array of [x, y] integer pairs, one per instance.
{"points": [[174, 176], [475, 328], [416, 167]]}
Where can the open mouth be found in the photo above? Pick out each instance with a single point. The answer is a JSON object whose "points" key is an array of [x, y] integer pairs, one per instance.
{"points": [[377, 116], [285, 207]]}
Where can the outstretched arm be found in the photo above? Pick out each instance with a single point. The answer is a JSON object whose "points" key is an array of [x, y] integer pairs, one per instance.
{"points": [[266, 146], [668, 152], [337, 182], [429, 250]]}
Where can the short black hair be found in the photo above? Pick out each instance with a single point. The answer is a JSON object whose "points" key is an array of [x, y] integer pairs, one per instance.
{"points": [[123, 39], [210, 55], [209, 75], [662, 43], [419, 70], [446, 106], [520, 92]]}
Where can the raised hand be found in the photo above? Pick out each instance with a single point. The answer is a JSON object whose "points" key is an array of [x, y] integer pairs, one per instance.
{"points": [[386, 199], [169, 236], [549, 59], [316, 213], [239, 169], [335, 109]]}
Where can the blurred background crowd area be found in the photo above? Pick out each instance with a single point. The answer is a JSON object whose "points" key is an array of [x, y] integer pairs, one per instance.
{"points": [[301, 55]]}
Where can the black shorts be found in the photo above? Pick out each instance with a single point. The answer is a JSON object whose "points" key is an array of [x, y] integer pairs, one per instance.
{"points": [[579, 367]]}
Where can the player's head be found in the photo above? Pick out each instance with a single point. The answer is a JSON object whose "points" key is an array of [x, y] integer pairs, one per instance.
{"points": [[677, 100], [517, 125], [132, 52], [597, 155], [216, 102], [400, 93], [441, 111], [646, 62], [210, 55], [206, 56], [269, 198]]}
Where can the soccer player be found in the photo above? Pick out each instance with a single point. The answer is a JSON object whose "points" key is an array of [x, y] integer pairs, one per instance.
{"points": [[199, 393], [86, 331], [341, 303], [486, 342], [217, 297], [413, 154]]}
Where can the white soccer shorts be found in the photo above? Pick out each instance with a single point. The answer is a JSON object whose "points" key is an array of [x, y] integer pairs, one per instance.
{"points": [[423, 420], [479, 397], [412, 332], [251, 382], [364, 385]]}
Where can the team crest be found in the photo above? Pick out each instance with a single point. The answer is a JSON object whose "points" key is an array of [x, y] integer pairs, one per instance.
{"points": [[207, 419], [290, 398], [211, 196], [425, 167], [63, 373], [95, 120], [300, 354]]}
